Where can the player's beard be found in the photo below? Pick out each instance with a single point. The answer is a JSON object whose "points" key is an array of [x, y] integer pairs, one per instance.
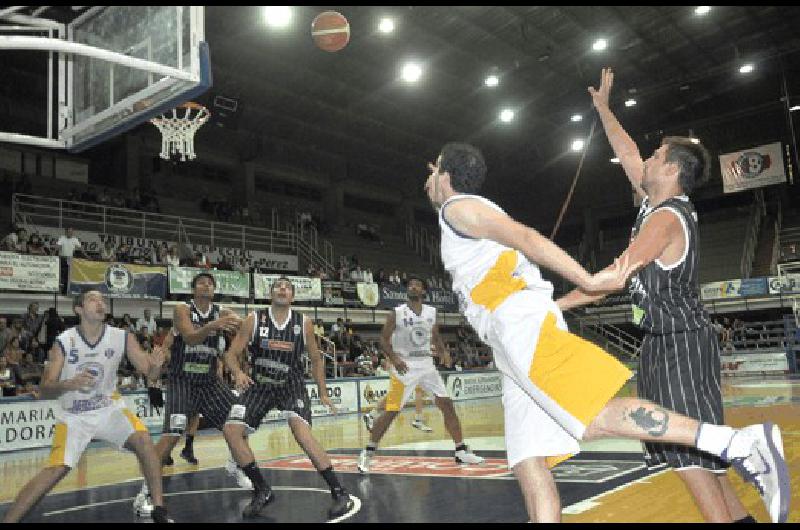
{"points": [[414, 298]]}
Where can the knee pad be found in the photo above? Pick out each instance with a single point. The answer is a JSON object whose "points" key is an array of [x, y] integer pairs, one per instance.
{"points": [[177, 423]]}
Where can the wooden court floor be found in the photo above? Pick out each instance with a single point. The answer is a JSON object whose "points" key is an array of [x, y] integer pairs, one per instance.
{"points": [[658, 497]]}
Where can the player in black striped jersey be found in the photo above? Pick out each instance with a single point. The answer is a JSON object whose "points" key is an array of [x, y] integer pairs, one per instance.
{"points": [[277, 338]]}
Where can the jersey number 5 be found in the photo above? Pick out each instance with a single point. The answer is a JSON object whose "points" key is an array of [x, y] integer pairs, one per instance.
{"points": [[73, 357]]}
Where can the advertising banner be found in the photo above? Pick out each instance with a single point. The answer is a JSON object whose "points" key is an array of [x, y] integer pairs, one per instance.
{"points": [[462, 386], [229, 283], [748, 363], [752, 168], [117, 280], [305, 289], [22, 272]]}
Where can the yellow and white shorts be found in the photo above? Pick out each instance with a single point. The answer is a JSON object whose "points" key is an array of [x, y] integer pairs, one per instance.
{"points": [[73, 432], [401, 387], [555, 383]]}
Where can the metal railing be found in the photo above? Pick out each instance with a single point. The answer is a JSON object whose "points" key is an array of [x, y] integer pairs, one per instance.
{"points": [[610, 337], [424, 244], [43, 211]]}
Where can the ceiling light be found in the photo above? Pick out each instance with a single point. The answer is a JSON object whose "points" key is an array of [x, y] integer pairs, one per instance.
{"points": [[615, 160], [412, 72], [630, 102], [492, 81], [746, 68], [577, 145], [600, 45], [695, 141], [278, 16], [702, 10], [506, 115], [576, 118], [386, 25], [796, 107]]}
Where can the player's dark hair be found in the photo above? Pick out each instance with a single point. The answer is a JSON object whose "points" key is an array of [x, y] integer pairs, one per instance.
{"points": [[466, 167], [692, 159], [204, 275]]}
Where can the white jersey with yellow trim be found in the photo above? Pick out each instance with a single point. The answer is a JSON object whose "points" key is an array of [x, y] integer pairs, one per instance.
{"points": [[411, 339], [485, 272], [100, 359]]}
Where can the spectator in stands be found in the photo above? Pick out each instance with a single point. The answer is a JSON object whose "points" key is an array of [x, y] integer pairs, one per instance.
{"points": [[36, 246], [201, 261], [224, 264], [108, 252], [338, 334], [18, 331], [5, 334], [68, 246], [16, 241], [30, 389], [54, 327], [127, 324], [9, 377], [356, 274], [381, 276], [364, 365], [394, 278], [32, 321], [124, 253], [173, 260], [35, 349], [30, 370], [243, 266], [382, 370], [404, 279], [13, 353], [146, 321]]}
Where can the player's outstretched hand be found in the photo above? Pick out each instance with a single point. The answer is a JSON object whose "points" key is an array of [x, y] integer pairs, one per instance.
{"points": [[242, 381], [600, 95], [325, 400], [613, 278]]}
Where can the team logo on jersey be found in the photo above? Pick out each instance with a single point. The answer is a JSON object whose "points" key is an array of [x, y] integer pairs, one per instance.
{"points": [[109, 353], [97, 371], [420, 336], [119, 279]]}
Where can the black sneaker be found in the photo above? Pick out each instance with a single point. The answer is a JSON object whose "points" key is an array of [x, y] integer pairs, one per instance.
{"points": [[160, 515], [167, 461], [260, 500], [342, 503], [189, 456]]}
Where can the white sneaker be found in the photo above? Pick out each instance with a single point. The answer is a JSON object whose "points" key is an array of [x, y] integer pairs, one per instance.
{"points": [[468, 457], [364, 461], [143, 505], [418, 424], [369, 421], [241, 479], [763, 465]]}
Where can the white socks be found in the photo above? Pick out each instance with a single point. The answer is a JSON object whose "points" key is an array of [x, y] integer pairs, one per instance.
{"points": [[715, 439], [418, 418]]}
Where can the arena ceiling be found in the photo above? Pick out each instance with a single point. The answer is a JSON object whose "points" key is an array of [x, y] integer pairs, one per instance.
{"points": [[350, 115]]}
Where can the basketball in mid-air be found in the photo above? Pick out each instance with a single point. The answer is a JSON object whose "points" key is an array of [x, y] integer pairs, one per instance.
{"points": [[331, 31]]}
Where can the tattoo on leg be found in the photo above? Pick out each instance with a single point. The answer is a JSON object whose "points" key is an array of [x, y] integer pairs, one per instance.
{"points": [[655, 422]]}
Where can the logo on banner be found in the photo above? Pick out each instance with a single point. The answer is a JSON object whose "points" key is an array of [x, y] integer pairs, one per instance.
{"points": [[119, 279], [371, 396], [750, 164], [457, 386]]}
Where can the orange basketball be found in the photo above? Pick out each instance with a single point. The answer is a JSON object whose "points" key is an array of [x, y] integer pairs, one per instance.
{"points": [[331, 31]]}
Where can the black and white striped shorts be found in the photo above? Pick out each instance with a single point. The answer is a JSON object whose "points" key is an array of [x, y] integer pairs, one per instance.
{"points": [[681, 372], [212, 399], [259, 399]]}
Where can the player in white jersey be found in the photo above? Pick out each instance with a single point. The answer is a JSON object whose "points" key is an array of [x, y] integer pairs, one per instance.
{"points": [[406, 340], [82, 375], [559, 389]]}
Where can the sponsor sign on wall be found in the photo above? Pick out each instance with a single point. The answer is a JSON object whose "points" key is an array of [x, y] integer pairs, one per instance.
{"points": [[754, 362], [21, 272], [229, 283], [462, 386], [305, 289]]}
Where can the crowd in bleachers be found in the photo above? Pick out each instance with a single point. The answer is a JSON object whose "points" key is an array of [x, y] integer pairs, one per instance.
{"points": [[736, 336]]}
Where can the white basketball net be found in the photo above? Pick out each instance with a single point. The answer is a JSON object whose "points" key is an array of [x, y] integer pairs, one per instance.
{"points": [[177, 132]]}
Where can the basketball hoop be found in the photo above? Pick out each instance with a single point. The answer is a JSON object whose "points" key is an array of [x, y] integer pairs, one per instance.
{"points": [[178, 127]]}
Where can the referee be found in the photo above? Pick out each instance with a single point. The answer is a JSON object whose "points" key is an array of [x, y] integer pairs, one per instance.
{"points": [[679, 365]]}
